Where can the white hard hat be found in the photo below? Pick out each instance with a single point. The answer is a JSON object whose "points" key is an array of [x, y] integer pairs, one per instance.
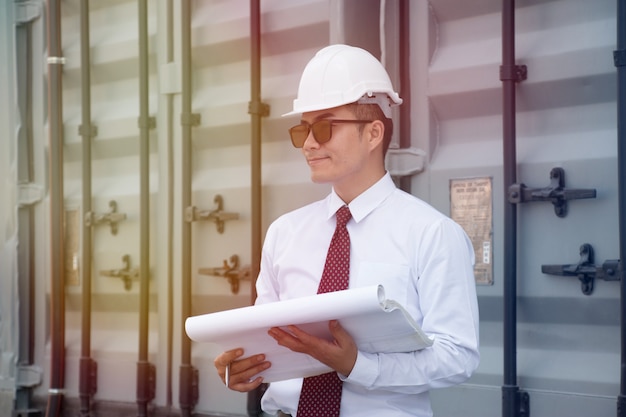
{"points": [[342, 74]]}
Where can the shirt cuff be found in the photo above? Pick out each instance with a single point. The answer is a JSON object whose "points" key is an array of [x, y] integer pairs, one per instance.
{"points": [[365, 370]]}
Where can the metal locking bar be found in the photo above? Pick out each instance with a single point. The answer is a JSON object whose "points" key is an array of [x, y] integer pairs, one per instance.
{"points": [[556, 193], [585, 270]]}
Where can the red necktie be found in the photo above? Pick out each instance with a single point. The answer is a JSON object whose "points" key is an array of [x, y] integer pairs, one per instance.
{"points": [[321, 394]]}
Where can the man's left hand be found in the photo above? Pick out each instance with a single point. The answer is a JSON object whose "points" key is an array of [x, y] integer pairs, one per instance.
{"points": [[340, 353]]}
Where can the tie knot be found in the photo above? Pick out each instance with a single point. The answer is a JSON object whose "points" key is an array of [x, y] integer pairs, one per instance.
{"points": [[343, 215]]}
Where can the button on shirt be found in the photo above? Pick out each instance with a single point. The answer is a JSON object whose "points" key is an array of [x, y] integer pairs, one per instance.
{"points": [[422, 258]]}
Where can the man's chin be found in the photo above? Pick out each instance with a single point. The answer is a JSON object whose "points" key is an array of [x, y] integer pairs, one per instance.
{"points": [[319, 179]]}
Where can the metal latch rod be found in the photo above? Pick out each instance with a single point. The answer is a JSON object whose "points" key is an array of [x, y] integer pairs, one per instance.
{"points": [[585, 270], [112, 218], [232, 272], [556, 193], [219, 216], [126, 273]]}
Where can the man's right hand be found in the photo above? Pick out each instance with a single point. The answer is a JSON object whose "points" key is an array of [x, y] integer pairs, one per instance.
{"points": [[241, 370]]}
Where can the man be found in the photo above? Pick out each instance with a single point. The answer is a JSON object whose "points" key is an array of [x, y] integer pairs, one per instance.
{"points": [[422, 258]]}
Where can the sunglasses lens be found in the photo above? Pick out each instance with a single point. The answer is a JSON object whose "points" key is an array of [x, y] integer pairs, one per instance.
{"points": [[322, 131], [299, 134]]}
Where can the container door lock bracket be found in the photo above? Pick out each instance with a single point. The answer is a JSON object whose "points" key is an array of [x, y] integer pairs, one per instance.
{"points": [[112, 218], [556, 193], [126, 273], [232, 271], [585, 270], [219, 216]]}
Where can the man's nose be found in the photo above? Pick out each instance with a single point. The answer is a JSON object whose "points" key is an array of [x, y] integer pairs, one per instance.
{"points": [[310, 141]]}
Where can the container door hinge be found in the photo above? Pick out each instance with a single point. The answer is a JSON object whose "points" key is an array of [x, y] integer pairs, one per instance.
{"points": [[619, 58], [402, 162], [29, 194], [556, 193], [146, 382], [189, 387], [258, 108], [88, 131], [190, 119], [515, 401], [28, 376], [27, 11], [88, 369], [517, 73], [146, 122], [585, 270], [523, 404]]}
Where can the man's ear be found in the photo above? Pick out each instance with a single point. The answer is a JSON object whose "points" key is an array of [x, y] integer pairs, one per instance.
{"points": [[376, 132]]}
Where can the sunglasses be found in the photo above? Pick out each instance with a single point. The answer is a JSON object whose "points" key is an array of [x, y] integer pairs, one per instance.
{"points": [[322, 130]]}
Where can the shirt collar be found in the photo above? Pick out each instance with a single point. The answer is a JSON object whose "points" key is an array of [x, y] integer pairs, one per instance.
{"points": [[366, 202]]}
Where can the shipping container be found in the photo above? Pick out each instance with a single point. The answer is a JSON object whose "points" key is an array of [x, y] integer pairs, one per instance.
{"points": [[143, 155]]}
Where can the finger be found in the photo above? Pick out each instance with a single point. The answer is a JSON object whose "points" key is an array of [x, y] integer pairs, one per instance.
{"points": [[247, 386], [300, 334], [243, 365], [341, 336], [227, 357], [224, 359], [248, 379], [280, 334], [293, 339], [347, 348], [311, 342], [248, 374], [227, 364]]}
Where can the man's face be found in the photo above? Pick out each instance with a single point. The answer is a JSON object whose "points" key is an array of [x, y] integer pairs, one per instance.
{"points": [[342, 161]]}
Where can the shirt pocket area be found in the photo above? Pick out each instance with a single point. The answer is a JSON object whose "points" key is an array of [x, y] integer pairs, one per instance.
{"points": [[394, 278]]}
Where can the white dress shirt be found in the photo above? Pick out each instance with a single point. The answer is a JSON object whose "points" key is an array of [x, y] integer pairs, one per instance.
{"points": [[422, 258]]}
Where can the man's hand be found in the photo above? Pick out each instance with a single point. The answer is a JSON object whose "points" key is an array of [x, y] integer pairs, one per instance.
{"points": [[339, 354], [240, 371]]}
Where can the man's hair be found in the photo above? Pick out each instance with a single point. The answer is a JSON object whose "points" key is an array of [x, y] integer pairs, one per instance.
{"points": [[373, 112]]}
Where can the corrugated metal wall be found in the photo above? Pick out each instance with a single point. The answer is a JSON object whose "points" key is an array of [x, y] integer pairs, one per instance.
{"points": [[568, 353], [568, 343], [292, 31], [23, 207], [8, 220]]}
